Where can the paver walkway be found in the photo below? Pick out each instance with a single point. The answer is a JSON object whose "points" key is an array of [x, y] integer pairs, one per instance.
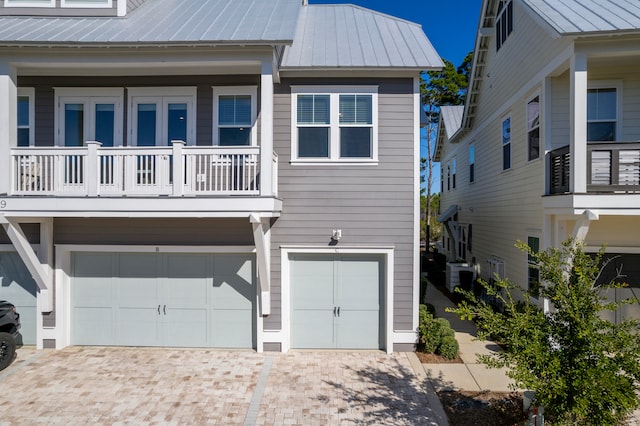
{"points": [[82, 385]]}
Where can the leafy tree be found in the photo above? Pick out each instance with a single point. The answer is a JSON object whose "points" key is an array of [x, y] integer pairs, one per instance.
{"points": [[584, 369], [437, 88]]}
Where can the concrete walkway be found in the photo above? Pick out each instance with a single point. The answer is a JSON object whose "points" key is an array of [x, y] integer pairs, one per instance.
{"points": [[471, 375]]}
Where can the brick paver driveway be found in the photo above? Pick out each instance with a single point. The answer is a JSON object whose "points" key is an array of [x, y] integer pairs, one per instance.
{"points": [[81, 385]]}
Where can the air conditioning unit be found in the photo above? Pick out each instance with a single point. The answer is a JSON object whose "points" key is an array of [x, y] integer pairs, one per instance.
{"points": [[453, 274]]}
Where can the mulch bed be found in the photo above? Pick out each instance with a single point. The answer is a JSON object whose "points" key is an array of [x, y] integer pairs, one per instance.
{"points": [[486, 408], [426, 358]]}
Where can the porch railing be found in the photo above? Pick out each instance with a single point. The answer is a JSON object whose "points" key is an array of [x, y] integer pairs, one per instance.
{"points": [[611, 167], [177, 170]]}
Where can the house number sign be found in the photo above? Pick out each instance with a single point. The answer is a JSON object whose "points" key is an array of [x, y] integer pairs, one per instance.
{"points": [[3, 204]]}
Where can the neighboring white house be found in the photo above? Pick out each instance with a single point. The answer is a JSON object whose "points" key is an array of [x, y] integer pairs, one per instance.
{"points": [[201, 173], [547, 145]]}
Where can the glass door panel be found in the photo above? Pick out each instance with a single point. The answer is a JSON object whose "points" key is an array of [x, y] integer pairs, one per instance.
{"points": [[177, 122], [73, 124], [105, 124], [147, 124]]}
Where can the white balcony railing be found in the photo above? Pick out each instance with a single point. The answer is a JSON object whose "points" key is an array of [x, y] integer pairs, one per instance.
{"points": [[131, 171]]}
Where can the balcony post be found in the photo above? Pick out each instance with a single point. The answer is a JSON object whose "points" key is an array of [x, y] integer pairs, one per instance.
{"points": [[578, 124], [8, 122], [266, 129], [93, 167], [178, 169]]}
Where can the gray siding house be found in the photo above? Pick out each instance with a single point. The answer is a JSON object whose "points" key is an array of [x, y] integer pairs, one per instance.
{"points": [[546, 147], [194, 173]]}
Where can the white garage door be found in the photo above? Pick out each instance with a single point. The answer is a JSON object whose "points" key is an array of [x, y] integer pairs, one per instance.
{"points": [[336, 301], [17, 287], [151, 299]]}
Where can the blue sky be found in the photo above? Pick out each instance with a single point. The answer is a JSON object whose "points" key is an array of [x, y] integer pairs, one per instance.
{"points": [[450, 25]]}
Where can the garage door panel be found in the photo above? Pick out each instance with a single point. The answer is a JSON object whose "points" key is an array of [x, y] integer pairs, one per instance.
{"points": [[232, 328], [93, 265], [137, 292], [185, 327], [312, 329], [188, 265], [93, 326], [94, 292], [137, 326], [314, 283], [17, 286], [232, 294], [185, 293], [359, 284], [138, 265], [358, 329]]}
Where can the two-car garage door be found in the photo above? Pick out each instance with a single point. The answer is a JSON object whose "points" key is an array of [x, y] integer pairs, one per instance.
{"points": [[17, 286], [163, 299]]}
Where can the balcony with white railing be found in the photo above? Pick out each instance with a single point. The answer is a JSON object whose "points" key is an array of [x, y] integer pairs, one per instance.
{"points": [[176, 172]]}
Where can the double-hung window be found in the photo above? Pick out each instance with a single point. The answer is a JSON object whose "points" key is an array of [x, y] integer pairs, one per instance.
{"points": [[159, 115], [472, 163], [533, 129], [26, 114], [602, 112], [334, 124], [453, 173], [89, 114], [506, 143], [234, 116], [504, 22]]}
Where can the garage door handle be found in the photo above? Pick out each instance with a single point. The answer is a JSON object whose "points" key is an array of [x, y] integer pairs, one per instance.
{"points": [[338, 310], [334, 311], [164, 309], [158, 309]]}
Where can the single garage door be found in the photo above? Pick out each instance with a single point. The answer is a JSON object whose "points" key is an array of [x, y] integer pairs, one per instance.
{"points": [[336, 301], [629, 266], [153, 299], [17, 287]]}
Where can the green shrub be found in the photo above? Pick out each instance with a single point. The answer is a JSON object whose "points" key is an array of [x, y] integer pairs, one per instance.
{"points": [[436, 335], [431, 309], [449, 347]]}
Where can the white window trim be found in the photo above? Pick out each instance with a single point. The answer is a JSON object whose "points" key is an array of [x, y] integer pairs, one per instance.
{"points": [[89, 96], [160, 96], [30, 93], [20, 3], [334, 140], [611, 84], [540, 133], [236, 90], [87, 5]]}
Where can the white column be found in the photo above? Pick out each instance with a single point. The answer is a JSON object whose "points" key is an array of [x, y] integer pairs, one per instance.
{"points": [[266, 129], [578, 124], [261, 235], [178, 169], [93, 165], [8, 122]]}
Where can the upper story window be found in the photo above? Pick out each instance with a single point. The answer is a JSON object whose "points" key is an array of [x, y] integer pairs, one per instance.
{"points": [[337, 124], [506, 143], [234, 116], [448, 177], [602, 113], [26, 115], [159, 115], [88, 114], [533, 128], [504, 22], [533, 273], [472, 163]]}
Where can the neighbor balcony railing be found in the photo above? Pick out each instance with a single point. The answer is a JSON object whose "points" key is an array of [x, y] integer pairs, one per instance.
{"points": [[177, 170], [611, 167]]}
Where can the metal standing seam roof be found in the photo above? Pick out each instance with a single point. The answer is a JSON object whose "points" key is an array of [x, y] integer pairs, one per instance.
{"points": [[586, 16], [348, 36], [164, 21], [451, 117]]}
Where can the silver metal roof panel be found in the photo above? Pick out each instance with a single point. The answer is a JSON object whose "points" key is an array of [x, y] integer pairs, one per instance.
{"points": [[348, 36], [164, 21], [588, 16], [451, 117]]}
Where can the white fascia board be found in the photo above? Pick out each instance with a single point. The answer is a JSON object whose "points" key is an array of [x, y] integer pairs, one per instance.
{"points": [[168, 207], [608, 204]]}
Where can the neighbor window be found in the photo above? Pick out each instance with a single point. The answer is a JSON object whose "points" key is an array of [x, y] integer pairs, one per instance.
{"points": [[448, 177], [25, 117], [89, 114], [504, 22], [533, 274], [602, 114], [506, 144], [87, 3], [234, 116], [533, 129], [29, 3], [472, 163], [453, 174], [334, 124], [159, 115]]}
